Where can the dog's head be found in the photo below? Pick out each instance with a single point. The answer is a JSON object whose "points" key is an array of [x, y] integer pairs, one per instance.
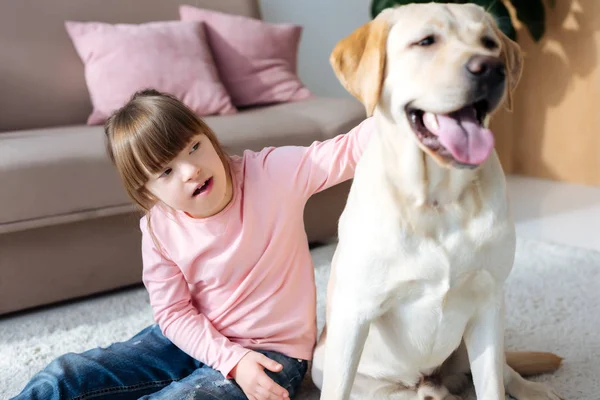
{"points": [[443, 68]]}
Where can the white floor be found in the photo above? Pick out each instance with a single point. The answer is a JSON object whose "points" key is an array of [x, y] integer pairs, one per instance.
{"points": [[558, 212]]}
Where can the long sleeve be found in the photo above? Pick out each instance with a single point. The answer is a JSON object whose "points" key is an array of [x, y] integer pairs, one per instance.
{"points": [[178, 319], [309, 170]]}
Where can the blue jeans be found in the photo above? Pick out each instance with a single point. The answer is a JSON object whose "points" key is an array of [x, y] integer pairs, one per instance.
{"points": [[146, 366]]}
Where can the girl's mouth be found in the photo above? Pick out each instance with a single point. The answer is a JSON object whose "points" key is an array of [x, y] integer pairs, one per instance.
{"points": [[204, 188]]}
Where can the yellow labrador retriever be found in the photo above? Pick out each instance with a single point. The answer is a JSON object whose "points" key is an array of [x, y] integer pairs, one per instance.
{"points": [[426, 241]]}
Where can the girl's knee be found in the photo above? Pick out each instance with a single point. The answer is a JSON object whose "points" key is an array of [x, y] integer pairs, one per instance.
{"points": [[59, 379], [49, 383]]}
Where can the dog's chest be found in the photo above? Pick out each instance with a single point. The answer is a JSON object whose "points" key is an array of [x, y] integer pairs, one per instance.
{"points": [[436, 260], [443, 245], [453, 252], [435, 279]]}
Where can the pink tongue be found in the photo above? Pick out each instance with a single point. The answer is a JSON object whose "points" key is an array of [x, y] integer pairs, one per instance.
{"points": [[464, 137]]}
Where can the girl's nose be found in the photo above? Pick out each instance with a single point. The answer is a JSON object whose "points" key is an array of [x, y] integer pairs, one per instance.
{"points": [[189, 172]]}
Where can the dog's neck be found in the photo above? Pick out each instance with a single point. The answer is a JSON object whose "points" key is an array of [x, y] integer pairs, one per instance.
{"points": [[414, 174]]}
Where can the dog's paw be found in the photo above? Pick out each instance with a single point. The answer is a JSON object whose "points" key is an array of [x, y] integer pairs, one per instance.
{"points": [[435, 393], [529, 390]]}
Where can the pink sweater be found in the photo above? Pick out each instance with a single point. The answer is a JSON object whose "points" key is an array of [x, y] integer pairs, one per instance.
{"points": [[243, 279]]}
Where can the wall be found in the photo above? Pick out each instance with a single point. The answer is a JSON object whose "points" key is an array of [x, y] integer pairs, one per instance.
{"points": [[554, 131], [325, 23]]}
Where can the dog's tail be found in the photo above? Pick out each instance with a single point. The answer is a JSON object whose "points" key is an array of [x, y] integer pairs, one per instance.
{"points": [[533, 363]]}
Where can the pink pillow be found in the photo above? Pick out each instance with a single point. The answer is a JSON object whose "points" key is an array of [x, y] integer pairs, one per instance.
{"points": [[256, 60], [170, 56]]}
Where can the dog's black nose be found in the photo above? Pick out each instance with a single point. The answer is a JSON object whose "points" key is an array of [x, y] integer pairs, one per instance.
{"points": [[486, 68]]}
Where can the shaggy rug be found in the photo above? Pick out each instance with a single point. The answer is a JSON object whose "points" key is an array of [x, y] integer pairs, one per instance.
{"points": [[553, 304]]}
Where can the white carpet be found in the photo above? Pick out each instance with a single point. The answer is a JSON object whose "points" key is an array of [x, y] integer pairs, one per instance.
{"points": [[553, 304]]}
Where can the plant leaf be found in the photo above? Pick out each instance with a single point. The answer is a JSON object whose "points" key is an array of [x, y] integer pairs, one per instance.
{"points": [[532, 14], [500, 13], [378, 6]]}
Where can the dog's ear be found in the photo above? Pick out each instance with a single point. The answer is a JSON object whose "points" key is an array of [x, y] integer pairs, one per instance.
{"points": [[359, 62], [513, 60]]}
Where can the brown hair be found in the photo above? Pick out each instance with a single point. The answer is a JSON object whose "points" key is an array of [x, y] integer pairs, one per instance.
{"points": [[146, 134]]}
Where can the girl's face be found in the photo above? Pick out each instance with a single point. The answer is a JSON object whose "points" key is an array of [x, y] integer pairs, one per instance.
{"points": [[195, 181]]}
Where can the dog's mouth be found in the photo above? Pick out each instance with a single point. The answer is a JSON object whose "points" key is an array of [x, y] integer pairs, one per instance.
{"points": [[459, 137]]}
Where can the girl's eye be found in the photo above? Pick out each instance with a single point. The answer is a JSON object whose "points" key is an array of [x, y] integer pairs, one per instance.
{"points": [[195, 147], [166, 172]]}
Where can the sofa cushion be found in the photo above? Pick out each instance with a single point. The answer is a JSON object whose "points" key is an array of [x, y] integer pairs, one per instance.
{"points": [[332, 115], [257, 60], [287, 123], [169, 56], [51, 174]]}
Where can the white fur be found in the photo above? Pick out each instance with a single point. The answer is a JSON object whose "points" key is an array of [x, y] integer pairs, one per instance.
{"points": [[424, 251]]}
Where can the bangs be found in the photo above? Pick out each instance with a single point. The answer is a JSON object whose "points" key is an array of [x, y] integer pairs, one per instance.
{"points": [[160, 145]]}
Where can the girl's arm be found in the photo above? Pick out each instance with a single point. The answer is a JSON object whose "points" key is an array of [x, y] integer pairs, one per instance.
{"points": [[178, 319], [308, 170]]}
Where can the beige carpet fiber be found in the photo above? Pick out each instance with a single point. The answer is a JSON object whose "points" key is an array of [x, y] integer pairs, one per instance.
{"points": [[553, 304]]}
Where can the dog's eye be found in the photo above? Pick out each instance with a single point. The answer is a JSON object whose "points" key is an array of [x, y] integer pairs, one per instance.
{"points": [[428, 41], [489, 43]]}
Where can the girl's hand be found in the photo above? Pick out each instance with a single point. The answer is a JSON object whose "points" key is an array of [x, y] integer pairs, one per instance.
{"points": [[250, 376]]}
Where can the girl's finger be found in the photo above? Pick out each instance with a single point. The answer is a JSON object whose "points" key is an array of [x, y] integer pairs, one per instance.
{"points": [[264, 394], [269, 364], [270, 385]]}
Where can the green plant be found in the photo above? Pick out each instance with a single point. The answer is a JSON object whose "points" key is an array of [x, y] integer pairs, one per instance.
{"points": [[531, 13]]}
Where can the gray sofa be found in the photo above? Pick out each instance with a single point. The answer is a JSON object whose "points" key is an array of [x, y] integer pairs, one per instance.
{"points": [[67, 228]]}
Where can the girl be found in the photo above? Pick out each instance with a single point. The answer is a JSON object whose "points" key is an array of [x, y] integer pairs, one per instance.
{"points": [[225, 261]]}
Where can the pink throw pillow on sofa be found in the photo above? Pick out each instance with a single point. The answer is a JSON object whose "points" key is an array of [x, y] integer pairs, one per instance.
{"points": [[257, 61], [170, 56]]}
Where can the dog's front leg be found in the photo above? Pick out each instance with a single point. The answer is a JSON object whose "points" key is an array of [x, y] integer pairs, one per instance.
{"points": [[484, 339], [347, 332]]}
